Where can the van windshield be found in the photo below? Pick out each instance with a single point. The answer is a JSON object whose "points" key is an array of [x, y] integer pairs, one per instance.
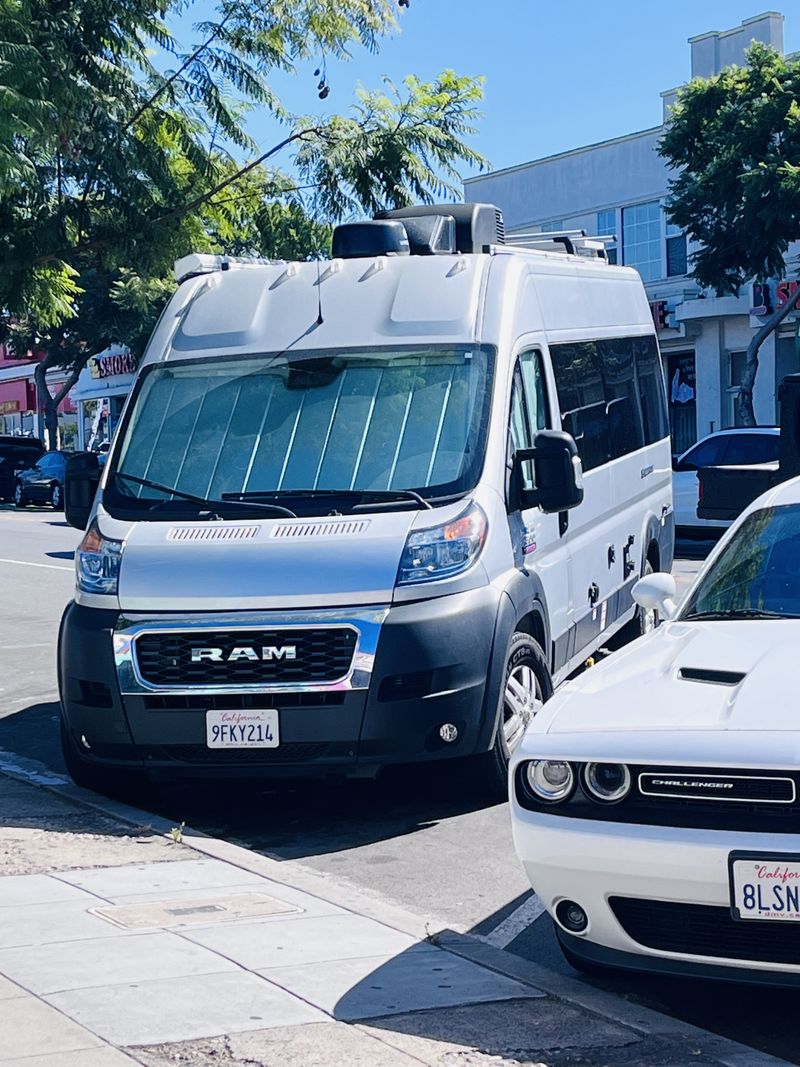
{"points": [[317, 430]]}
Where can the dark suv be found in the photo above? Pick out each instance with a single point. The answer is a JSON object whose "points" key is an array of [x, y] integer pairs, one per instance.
{"points": [[43, 483], [16, 454]]}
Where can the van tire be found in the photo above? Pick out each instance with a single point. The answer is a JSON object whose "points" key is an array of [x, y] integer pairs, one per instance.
{"points": [[113, 783], [526, 671]]}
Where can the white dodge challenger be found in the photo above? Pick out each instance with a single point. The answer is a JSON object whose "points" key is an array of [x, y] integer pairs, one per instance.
{"points": [[654, 799]]}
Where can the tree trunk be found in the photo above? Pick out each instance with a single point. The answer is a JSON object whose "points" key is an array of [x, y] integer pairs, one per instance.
{"points": [[48, 402], [744, 401]]}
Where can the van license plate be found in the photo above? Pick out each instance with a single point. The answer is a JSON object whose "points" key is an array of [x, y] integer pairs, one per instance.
{"points": [[254, 728], [765, 887]]}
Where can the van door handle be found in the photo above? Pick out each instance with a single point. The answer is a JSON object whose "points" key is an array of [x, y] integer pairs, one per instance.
{"points": [[594, 593], [612, 555], [628, 565]]}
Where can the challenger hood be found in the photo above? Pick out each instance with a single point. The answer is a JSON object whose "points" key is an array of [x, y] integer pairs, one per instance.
{"points": [[248, 565], [715, 679]]}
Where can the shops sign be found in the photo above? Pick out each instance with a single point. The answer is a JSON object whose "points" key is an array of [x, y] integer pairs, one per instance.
{"points": [[660, 309], [9, 407], [767, 296], [109, 366]]}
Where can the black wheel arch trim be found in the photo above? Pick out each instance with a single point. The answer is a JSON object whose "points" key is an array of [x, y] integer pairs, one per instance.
{"points": [[522, 598]]}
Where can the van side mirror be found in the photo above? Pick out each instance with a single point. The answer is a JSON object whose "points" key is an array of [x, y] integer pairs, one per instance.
{"points": [[81, 479], [656, 592], [557, 472]]}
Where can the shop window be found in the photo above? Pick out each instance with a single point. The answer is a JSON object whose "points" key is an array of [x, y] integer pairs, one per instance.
{"points": [[736, 365]]}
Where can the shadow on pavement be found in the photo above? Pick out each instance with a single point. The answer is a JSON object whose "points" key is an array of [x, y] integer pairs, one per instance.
{"points": [[297, 820], [61, 555], [291, 820]]}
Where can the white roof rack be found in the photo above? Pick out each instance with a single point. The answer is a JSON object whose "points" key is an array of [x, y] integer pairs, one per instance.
{"points": [[570, 242], [208, 263]]}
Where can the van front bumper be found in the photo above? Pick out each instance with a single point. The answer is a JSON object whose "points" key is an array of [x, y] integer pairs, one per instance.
{"points": [[418, 666]]}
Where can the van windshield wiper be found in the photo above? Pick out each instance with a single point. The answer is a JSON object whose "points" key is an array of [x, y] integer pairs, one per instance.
{"points": [[275, 509], [738, 613], [388, 495]]}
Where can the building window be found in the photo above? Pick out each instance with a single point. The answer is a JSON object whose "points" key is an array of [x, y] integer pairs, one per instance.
{"points": [[641, 239], [676, 251], [554, 226], [607, 227]]}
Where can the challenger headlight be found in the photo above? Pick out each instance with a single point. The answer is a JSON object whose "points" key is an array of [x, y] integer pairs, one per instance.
{"points": [[445, 550], [550, 780], [608, 782], [97, 561]]}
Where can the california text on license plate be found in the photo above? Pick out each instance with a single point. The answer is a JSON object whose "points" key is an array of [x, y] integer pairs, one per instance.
{"points": [[254, 728], [764, 886]]}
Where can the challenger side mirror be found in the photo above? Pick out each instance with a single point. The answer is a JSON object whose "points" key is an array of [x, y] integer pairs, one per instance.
{"points": [[81, 479], [557, 472], [656, 592]]}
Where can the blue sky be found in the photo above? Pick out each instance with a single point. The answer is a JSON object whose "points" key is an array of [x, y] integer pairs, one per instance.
{"points": [[557, 76]]}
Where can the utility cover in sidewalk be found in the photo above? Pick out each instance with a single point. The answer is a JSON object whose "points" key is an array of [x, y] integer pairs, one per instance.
{"points": [[166, 913]]}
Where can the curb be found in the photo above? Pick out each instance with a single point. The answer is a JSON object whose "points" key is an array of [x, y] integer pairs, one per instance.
{"points": [[643, 1021]]}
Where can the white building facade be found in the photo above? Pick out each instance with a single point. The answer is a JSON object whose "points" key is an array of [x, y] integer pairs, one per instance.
{"points": [[619, 187]]}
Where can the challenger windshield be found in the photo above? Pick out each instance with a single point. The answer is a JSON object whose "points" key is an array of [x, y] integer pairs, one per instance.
{"points": [[758, 573], [314, 431]]}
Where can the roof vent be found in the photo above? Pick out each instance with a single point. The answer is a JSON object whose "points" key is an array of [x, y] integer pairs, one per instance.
{"points": [[363, 240], [477, 225]]}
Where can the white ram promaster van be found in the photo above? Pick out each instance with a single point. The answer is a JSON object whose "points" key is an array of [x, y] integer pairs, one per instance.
{"points": [[366, 511]]}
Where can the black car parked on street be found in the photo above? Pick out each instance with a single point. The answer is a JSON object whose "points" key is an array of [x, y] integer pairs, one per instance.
{"points": [[16, 454], [43, 483]]}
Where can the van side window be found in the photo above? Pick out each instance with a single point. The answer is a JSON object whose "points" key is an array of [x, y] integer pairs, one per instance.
{"points": [[530, 364], [623, 409], [528, 407], [612, 396], [581, 397], [652, 390]]}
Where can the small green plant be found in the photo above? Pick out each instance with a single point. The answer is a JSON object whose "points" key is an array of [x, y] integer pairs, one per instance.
{"points": [[176, 833]]}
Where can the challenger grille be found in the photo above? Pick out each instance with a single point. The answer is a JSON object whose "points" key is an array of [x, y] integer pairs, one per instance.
{"points": [[277, 657], [704, 930]]}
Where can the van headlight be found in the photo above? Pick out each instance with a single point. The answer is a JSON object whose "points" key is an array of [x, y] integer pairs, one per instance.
{"points": [[442, 551], [97, 561]]}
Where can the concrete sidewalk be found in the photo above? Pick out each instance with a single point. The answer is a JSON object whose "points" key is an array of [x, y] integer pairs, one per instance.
{"points": [[120, 944]]}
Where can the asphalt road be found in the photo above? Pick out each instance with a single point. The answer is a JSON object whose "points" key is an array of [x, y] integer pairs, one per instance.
{"points": [[414, 836]]}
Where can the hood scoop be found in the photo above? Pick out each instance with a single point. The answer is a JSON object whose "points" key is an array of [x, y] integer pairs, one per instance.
{"points": [[710, 677]]}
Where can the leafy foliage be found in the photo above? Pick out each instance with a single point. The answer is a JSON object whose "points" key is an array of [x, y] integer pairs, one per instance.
{"points": [[111, 166], [734, 141]]}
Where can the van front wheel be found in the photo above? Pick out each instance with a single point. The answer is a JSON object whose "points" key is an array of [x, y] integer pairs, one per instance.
{"points": [[527, 684]]}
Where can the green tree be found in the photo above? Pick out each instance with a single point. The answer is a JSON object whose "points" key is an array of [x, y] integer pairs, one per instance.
{"points": [[734, 140], [111, 167]]}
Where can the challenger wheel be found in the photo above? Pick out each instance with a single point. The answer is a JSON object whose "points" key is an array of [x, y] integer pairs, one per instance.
{"points": [[20, 500]]}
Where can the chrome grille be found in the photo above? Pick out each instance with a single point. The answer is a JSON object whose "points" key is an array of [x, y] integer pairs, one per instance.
{"points": [[320, 656]]}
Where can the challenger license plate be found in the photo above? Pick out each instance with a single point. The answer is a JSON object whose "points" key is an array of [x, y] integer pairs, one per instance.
{"points": [[765, 886], [254, 728]]}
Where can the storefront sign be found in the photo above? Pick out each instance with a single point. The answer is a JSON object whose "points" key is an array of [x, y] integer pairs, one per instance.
{"points": [[763, 301], [9, 407], [660, 309], [108, 366]]}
